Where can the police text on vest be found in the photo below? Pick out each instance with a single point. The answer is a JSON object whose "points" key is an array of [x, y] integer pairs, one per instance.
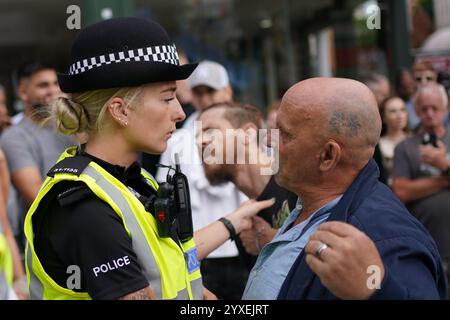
{"points": [[111, 265]]}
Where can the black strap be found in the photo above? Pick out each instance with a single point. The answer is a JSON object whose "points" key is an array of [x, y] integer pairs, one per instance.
{"points": [[230, 228]]}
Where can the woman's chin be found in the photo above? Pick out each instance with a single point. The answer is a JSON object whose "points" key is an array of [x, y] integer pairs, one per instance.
{"points": [[156, 149], [161, 148]]}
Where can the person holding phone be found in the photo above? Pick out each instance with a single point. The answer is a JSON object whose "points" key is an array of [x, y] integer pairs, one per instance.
{"points": [[422, 167]]}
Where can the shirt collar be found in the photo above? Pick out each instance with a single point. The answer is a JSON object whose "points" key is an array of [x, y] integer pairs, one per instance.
{"points": [[325, 209], [119, 172]]}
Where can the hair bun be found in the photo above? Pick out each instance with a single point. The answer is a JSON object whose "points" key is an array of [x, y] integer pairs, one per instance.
{"points": [[71, 117]]}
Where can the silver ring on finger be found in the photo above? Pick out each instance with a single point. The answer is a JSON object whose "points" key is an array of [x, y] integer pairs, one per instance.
{"points": [[320, 248]]}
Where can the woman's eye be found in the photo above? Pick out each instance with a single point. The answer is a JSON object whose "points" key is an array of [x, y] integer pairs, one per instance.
{"points": [[169, 99]]}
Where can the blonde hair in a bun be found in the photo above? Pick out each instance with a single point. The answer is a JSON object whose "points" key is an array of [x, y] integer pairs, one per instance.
{"points": [[85, 112], [70, 116]]}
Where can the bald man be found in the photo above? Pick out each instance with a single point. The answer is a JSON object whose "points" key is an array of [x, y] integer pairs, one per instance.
{"points": [[349, 236]]}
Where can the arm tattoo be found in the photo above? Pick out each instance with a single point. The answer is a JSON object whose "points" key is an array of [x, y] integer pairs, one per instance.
{"points": [[142, 294], [345, 123]]}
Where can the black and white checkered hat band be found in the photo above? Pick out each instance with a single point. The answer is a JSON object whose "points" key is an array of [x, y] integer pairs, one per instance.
{"points": [[165, 54]]}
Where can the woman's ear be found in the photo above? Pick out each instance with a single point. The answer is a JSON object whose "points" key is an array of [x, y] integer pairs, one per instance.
{"points": [[119, 111], [330, 156]]}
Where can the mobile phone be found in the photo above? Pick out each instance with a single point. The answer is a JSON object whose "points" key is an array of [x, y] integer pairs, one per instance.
{"points": [[429, 139]]}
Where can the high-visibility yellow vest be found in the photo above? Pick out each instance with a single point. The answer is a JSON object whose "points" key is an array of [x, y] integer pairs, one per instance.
{"points": [[6, 267], [172, 269]]}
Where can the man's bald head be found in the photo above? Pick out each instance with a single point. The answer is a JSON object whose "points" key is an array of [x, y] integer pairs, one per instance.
{"points": [[344, 109], [326, 123]]}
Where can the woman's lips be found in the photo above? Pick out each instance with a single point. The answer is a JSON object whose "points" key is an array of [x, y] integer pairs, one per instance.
{"points": [[169, 134]]}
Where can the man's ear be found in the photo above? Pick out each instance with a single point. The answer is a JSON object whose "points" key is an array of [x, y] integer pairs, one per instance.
{"points": [[118, 110], [229, 93], [22, 90], [330, 156]]}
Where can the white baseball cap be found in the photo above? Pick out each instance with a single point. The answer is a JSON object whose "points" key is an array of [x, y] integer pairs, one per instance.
{"points": [[210, 74]]}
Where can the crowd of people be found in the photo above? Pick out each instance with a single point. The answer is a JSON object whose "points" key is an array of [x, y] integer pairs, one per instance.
{"points": [[361, 179], [413, 151]]}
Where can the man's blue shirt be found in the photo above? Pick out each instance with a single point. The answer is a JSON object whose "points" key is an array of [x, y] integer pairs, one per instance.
{"points": [[277, 257]]}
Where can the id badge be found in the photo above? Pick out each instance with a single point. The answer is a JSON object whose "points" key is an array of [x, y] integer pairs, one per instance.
{"points": [[192, 261]]}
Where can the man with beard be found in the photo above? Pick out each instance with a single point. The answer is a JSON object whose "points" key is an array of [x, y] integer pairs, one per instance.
{"points": [[232, 151], [31, 147]]}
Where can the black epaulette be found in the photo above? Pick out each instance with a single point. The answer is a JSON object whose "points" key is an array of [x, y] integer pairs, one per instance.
{"points": [[74, 165], [73, 195]]}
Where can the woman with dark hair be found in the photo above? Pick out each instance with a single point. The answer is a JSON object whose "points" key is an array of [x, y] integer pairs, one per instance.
{"points": [[395, 129]]}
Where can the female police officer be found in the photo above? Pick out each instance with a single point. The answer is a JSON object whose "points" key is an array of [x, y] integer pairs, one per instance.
{"points": [[88, 233]]}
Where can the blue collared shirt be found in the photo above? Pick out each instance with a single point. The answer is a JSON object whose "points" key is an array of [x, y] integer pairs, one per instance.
{"points": [[277, 257]]}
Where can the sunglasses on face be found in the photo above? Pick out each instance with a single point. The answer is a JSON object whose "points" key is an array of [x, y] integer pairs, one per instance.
{"points": [[427, 79]]}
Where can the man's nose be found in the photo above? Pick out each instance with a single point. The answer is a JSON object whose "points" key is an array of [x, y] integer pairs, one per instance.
{"points": [[205, 138], [55, 90]]}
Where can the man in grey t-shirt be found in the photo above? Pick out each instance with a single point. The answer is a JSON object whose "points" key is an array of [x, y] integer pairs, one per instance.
{"points": [[421, 172], [32, 148]]}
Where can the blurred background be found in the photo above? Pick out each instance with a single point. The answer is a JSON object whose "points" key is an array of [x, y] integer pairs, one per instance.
{"points": [[265, 45]]}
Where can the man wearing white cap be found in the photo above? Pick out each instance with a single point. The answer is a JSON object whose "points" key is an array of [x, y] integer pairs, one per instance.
{"points": [[223, 271], [210, 85]]}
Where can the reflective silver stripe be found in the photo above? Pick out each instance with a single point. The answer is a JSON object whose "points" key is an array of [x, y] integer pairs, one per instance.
{"points": [[139, 243], [197, 289], [36, 287], [4, 288], [182, 295]]}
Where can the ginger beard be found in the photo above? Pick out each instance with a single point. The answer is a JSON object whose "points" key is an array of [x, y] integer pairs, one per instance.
{"points": [[214, 155], [217, 172]]}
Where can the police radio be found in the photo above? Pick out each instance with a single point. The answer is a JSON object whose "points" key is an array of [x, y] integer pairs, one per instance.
{"points": [[172, 207]]}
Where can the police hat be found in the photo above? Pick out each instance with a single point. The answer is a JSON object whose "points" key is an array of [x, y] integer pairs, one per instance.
{"points": [[122, 52]]}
